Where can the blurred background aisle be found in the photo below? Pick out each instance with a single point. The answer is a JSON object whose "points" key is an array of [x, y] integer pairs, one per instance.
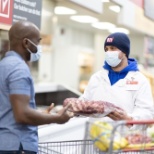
{"points": [[73, 33]]}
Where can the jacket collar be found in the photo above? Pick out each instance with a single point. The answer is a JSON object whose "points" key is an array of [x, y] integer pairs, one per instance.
{"points": [[131, 75]]}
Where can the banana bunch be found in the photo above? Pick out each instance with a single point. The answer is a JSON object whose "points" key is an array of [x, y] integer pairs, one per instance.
{"points": [[100, 132]]}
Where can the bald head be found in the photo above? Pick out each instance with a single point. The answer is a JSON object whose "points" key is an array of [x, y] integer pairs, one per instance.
{"points": [[21, 30], [24, 36]]}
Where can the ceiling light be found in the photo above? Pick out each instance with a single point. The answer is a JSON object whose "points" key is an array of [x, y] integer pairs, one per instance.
{"points": [[46, 13], [61, 10], [115, 8], [123, 30], [84, 19], [103, 25], [104, 1]]}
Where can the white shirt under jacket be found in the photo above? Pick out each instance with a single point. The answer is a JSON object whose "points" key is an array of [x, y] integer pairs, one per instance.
{"points": [[136, 99]]}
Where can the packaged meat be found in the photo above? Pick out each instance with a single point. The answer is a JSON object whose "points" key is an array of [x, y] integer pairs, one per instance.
{"points": [[138, 138], [90, 108]]}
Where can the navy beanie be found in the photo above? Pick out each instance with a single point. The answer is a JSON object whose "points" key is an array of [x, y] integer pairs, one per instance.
{"points": [[119, 40]]}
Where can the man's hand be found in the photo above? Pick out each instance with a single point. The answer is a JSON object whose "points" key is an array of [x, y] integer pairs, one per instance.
{"points": [[64, 115], [49, 108], [118, 115]]}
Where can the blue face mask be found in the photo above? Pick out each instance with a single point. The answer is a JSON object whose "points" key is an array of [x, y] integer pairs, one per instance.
{"points": [[35, 56], [112, 58]]}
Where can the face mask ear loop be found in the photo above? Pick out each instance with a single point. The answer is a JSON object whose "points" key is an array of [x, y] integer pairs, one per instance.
{"points": [[29, 50], [32, 43]]}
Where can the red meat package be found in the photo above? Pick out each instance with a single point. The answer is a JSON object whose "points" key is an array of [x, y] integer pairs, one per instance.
{"points": [[90, 108]]}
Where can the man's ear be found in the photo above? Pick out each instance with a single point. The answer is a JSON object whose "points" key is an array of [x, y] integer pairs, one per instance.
{"points": [[25, 42]]}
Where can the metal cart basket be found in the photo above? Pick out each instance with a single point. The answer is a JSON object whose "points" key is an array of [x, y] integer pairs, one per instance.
{"points": [[96, 138], [68, 147]]}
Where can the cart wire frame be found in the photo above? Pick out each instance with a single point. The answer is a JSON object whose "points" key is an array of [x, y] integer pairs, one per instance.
{"points": [[68, 147], [86, 146]]}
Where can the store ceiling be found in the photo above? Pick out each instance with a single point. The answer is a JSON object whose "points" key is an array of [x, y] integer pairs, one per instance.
{"points": [[106, 16]]}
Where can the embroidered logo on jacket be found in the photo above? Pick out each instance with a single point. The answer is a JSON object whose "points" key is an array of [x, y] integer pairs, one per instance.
{"points": [[132, 81]]}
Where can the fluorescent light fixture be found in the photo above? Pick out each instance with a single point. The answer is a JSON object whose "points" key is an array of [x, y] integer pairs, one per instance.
{"points": [[46, 13], [61, 10], [115, 8], [105, 1], [84, 19], [123, 30], [103, 25]]}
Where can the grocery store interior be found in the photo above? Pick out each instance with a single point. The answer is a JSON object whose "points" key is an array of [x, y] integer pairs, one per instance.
{"points": [[73, 35], [74, 49], [73, 38]]}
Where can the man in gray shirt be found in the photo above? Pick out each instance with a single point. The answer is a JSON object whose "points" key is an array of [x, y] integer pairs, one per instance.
{"points": [[18, 117]]}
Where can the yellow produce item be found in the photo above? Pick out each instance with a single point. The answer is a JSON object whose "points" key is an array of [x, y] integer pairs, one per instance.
{"points": [[123, 142], [116, 146], [100, 132], [100, 146], [139, 146]]}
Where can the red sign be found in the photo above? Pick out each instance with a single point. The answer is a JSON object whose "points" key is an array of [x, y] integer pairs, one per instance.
{"points": [[140, 3], [6, 10]]}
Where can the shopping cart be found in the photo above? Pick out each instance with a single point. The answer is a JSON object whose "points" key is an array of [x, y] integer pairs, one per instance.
{"points": [[99, 134]]}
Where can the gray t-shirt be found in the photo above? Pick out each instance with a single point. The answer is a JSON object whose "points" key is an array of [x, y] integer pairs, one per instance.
{"points": [[15, 78]]}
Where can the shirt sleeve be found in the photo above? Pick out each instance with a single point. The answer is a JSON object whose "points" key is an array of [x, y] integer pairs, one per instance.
{"points": [[19, 82]]}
